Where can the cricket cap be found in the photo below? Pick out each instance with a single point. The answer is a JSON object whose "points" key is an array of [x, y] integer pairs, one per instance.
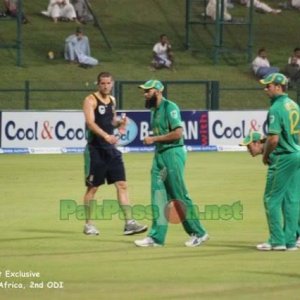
{"points": [[152, 84], [253, 136], [276, 78]]}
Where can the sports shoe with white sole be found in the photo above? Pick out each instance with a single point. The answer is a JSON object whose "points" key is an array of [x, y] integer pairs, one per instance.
{"points": [[90, 229], [269, 247], [195, 241], [146, 242], [133, 227], [292, 248]]}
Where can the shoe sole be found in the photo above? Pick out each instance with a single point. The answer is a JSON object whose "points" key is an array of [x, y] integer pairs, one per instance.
{"points": [[263, 249], [272, 249], [86, 233], [132, 232], [292, 249], [281, 248], [148, 245]]}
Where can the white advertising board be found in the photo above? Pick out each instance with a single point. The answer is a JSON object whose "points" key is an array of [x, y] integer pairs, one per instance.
{"points": [[228, 128], [52, 129]]}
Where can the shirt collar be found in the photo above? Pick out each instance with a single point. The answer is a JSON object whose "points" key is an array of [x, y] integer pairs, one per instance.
{"points": [[277, 97]]}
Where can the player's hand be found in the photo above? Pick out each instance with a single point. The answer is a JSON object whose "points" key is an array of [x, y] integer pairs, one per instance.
{"points": [[111, 139], [123, 122], [149, 140]]}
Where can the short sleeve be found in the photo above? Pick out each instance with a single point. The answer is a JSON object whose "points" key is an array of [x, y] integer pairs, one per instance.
{"points": [[155, 48], [173, 115], [274, 122]]}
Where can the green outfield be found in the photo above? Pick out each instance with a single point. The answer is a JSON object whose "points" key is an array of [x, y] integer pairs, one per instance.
{"points": [[34, 239]]}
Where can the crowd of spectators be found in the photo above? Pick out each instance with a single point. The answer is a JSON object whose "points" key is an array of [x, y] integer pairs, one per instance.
{"points": [[76, 47]]}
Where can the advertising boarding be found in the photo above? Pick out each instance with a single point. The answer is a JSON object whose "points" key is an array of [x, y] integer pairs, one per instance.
{"points": [[65, 132], [228, 128]]}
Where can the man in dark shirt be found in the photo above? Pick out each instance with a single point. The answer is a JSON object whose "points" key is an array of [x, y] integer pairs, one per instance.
{"points": [[103, 161]]}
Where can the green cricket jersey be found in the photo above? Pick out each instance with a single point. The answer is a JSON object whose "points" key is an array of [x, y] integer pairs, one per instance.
{"points": [[283, 120], [165, 118]]}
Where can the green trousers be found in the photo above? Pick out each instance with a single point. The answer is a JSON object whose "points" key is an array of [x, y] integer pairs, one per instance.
{"points": [[281, 199], [167, 184]]}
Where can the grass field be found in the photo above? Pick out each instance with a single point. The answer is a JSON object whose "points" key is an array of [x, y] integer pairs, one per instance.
{"points": [[33, 238], [110, 266]]}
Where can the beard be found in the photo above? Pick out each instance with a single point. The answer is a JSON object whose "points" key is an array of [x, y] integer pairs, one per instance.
{"points": [[151, 102]]}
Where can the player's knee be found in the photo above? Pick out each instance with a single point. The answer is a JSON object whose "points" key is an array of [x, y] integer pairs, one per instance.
{"points": [[121, 185], [91, 192]]}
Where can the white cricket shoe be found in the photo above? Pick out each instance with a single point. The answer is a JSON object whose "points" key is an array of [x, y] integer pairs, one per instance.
{"points": [[195, 241], [90, 229], [292, 248], [269, 247], [146, 242]]}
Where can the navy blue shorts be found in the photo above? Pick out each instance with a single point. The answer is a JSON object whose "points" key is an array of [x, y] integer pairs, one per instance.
{"points": [[103, 165]]}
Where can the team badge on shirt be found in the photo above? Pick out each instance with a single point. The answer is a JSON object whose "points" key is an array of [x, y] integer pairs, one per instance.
{"points": [[174, 114], [290, 105], [101, 109]]}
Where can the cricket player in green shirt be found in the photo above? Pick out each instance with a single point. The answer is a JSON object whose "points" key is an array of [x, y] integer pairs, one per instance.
{"points": [[255, 143], [282, 155], [167, 173]]}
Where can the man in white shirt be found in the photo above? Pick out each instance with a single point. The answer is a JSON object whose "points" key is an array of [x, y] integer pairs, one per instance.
{"points": [[162, 54], [261, 65], [211, 10], [58, 9], [77, 49]]}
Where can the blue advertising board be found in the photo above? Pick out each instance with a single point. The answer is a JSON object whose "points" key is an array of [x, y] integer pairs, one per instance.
{"points": [[194, 123]]}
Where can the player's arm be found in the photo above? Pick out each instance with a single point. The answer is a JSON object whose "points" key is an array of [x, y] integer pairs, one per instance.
{"points": [[270, 145], [89, 106], [118, 122], [171, 136]]}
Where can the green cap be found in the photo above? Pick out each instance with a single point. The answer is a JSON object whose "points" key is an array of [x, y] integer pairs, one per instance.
{"points": [[152, 84], [253, 136], [276, 78]]}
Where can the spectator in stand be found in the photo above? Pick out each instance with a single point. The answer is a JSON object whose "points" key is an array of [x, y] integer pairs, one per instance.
{"points": [[77, 49], [295, 4], [230, 4], [11, 9], [261, 6], [261, 65], [291, 4], [162, 54], [296, 54], [211, 10], [60, 10], [292, 69], [82, 11]]}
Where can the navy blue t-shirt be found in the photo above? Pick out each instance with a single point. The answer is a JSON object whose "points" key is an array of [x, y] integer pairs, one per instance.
{"points": [[104, 114]]}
